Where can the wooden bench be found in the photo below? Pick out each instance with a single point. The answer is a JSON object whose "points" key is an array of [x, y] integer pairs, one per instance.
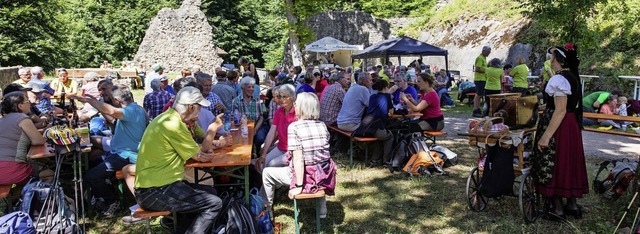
{"points": [[351, 140], [317, 196], [127, 77], [143, 214], [599, 116], [432, 134]]}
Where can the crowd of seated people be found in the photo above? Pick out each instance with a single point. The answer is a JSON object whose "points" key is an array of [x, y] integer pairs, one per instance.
{"points": [[291, 139]]}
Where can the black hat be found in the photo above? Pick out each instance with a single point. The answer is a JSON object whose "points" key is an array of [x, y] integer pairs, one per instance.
{"points": [[14, 87]]}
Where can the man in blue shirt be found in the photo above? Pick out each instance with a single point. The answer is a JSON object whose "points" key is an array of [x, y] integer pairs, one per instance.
{"points": [[132, 121], [356, 100], [402, 86]]}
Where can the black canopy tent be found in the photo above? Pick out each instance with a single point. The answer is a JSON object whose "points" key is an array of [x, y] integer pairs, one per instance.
{"points": [[402, 46]]}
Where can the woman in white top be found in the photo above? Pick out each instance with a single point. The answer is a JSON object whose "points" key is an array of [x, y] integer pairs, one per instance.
{"points": [[559, 169]]}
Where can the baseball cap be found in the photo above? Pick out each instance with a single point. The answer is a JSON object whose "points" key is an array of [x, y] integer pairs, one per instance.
{"points": [[36, 87], [191, 95], [163, 78], [14, 87], [157, 68]]}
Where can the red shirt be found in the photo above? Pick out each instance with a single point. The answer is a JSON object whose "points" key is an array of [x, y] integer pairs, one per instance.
{"points": [[320, 85], [282, 124], [433, 110]]}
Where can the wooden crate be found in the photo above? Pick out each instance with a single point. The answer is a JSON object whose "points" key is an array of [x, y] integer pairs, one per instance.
{"points": [[519, 109]]}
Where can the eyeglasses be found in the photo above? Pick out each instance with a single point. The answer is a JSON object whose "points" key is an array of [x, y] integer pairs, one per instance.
{"points": [[283, 96]]}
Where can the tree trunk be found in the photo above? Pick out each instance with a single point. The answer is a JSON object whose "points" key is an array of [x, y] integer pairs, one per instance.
{"points": [[294, 47]]}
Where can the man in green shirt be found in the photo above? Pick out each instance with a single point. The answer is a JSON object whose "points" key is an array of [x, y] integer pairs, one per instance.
{"points": [[166, 145], [480, 79], [591, 102]]}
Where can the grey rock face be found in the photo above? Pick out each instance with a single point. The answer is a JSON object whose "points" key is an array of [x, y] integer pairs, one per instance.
{"points": [[179, 38]]}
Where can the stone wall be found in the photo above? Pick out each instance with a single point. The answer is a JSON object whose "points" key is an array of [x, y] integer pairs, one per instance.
{"points": [[179, 38], [352, 27], [8, 75]]}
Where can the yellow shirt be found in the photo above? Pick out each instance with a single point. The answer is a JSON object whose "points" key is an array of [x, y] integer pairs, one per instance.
{"points": [[547, 69], [69, 87], [383, 76], [20, 82], [494, 76], [519, 74], [481, 62]]}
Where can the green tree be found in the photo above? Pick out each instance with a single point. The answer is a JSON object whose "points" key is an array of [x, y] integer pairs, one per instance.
{"points": [[29, 32]]}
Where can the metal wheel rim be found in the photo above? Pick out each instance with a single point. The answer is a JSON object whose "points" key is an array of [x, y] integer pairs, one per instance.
{"points": [[528, 200], [475, 200]]}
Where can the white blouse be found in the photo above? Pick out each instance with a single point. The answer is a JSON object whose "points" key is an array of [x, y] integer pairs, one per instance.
{"points": [[558, 86]]}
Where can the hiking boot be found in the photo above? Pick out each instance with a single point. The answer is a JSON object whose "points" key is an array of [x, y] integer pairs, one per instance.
{"points": [[477, 113], [129, 220]]}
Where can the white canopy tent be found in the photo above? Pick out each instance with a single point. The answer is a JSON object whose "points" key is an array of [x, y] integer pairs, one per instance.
{"points": [[341, 50], [330, 44]]}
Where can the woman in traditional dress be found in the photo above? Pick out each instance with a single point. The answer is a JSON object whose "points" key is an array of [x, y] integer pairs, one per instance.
{"points": [[559, 168]]}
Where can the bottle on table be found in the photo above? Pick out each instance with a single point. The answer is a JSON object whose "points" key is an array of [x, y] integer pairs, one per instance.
{"points": [[243, 127]]}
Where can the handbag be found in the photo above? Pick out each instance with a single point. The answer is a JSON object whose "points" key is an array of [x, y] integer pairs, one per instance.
{"points": [[498, 176]]}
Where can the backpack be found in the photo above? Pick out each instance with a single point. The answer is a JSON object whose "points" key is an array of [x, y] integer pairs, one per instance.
{"points": [[399, 153], [450, 158], [260, 212], [421, 158], [497, 177], [17, 222], [618, 179], [234, 218], [36, 195]]}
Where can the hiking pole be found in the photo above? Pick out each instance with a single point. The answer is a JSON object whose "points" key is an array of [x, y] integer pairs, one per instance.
{"points": [[635, 219], [626, 211]]}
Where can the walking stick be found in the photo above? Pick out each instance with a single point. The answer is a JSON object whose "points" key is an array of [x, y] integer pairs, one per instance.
{"points": [[626, 211]]}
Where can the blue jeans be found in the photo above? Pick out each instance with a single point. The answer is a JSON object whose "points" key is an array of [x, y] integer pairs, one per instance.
{"points": [[441, 91], [180, 197], [261, 136], [96, 177]]}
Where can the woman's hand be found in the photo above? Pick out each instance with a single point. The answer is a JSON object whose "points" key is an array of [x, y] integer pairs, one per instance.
{"points": [[294, 191], [259, 163], [403, 96], [543, 143]]}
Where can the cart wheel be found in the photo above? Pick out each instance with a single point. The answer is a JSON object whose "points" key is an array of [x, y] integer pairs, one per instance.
{"points": [[475, 200], [528, 199]]}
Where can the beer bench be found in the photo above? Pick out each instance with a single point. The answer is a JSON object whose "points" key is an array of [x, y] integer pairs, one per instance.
{"points": [[611, 117], [351, 140]]}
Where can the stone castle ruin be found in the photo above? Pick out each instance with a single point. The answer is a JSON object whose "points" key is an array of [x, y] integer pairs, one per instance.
{"points": [[179, 38]]}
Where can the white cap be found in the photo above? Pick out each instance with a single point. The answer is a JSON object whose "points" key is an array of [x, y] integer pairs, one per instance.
{"points": [[191, 95]]}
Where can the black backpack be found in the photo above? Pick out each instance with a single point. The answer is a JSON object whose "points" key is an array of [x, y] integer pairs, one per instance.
{"points": [[234, 218]]}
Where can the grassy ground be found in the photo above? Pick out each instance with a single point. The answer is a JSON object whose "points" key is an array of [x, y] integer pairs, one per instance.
{"points": [[372, 200]]}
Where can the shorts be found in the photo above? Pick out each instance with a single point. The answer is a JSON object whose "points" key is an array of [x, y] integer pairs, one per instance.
{"points": [[480, 87]]}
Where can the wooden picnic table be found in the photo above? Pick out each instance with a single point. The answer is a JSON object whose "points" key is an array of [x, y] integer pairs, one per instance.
{"points": [[235, 157]]}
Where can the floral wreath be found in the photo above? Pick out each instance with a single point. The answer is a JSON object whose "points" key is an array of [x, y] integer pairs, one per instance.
{"points": [[569, 47]]}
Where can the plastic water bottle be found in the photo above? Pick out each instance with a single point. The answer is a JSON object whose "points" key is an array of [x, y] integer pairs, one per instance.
{"points": [[243, 127], [227, 123], [236, 117]]}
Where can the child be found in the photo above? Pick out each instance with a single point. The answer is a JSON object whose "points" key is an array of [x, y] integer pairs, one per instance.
{"points": [[607, 109], [622, 110], [507, 81]]}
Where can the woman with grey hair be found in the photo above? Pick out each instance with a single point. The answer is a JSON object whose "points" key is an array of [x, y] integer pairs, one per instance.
{"points": [[494, 74], [90, 86], [282, 118], [311, 168]]}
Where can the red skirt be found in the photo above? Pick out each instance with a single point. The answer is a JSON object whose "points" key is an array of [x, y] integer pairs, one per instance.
{"points": [[14, 172], [570, 170]]}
